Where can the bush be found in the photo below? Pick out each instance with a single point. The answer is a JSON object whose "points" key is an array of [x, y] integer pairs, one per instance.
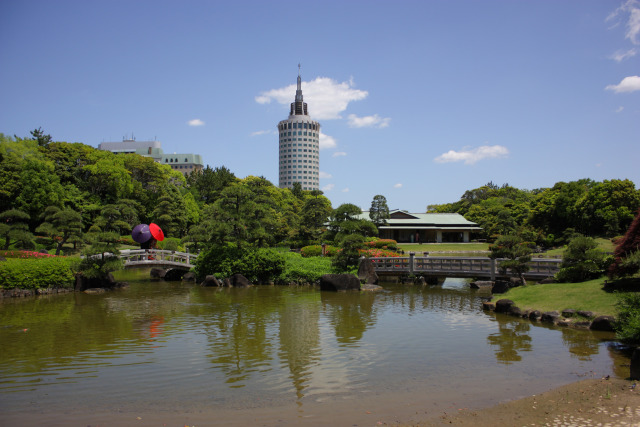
{"points": [[382, 243], [628, 324], [256, 264], [36, 273], [316, 250], [303, 270], [375, 253]]}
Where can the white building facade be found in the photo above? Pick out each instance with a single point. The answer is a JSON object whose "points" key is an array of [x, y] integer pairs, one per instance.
{"points": [[299, 148]]}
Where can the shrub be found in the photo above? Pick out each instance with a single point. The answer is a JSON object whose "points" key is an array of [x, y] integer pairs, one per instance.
{"points": [[35, 273], [382, 243], [256, 264], [316, 250], [628, 324], [24, 254], [375, 253], [303, 270]]}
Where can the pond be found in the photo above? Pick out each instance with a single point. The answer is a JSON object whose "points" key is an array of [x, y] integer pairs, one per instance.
{"points": [[166, 353]]}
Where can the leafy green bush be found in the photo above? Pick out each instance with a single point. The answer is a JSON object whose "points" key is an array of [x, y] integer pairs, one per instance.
{"points": [[256, 264], [628, 324], [316, 250], [303, 270], [35, 273]]}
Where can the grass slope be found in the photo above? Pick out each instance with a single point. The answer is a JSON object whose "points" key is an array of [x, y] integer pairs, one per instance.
{"points": [[559, 296]]}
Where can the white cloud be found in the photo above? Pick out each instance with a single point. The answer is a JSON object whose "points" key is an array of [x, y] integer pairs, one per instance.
{"points": [[628, 84], [326, 97], [327, 141], [325, 175], [619, 109], [470, 156], [368, 121], [195, 122], [632, 9], [345, 190], [263, 132], [339, 154], [620, 56], [398, 185], [328, 187]]}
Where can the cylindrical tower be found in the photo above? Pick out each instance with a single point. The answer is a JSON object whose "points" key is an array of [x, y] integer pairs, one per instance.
{"points": [[299, 147]]}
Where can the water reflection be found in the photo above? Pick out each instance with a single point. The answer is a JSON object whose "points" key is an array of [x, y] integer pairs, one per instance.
{"points": [[350, 314], [511, 339], [209, 346]]}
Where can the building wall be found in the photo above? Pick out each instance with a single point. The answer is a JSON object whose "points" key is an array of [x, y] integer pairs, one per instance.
{"points": [[299, 152]]}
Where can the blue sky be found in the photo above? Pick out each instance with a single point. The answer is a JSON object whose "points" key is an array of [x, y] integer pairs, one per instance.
{"points": [[418, 100]]}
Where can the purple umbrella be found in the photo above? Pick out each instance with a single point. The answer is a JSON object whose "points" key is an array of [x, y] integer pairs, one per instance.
{"points": [[141, 233]]}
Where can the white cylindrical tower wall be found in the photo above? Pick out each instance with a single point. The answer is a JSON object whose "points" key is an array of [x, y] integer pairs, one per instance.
{"points": [[299, 152]]}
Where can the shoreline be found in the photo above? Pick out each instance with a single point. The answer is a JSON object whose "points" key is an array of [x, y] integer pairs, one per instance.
{"points": [[607, 401]]}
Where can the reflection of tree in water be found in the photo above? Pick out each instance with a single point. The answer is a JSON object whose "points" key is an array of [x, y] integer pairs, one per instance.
{"points": [[350, 313], [511, 338], [581, 344], [236, 324], [300, 339]]}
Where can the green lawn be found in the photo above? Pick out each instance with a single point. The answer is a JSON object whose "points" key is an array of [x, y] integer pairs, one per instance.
{"points": [[443, 247], [559, 296]]}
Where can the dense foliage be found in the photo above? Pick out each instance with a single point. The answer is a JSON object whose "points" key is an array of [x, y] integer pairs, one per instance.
{"points": [[627, 253], [37, 273], [628, 320], [256, 264], [543, 215]]}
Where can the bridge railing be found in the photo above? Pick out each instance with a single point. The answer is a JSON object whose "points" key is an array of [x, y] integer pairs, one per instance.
{"points": [[466, 267], [135, 255]]}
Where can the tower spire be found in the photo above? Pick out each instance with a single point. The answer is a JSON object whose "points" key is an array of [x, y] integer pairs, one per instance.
{"points": [[299, 107]]}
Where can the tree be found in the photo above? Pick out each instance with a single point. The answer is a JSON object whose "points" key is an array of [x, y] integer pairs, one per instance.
{"points": [[582, 260], [39, 135], [207, 184], [514, 253], [379, 211], [14, 226], [608, 207], [627, 252], [345, 220], [61, 225], [314, 215], [349, 256]]}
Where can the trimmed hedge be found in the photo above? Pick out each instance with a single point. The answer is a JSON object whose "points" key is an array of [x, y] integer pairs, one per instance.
{"points": [[37, 273]]}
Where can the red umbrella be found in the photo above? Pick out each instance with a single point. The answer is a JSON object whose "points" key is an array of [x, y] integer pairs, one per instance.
{"points": [[156, 232]]}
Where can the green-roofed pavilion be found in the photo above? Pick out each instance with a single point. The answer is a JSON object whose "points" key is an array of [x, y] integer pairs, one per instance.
{"points": [[405, 227]]}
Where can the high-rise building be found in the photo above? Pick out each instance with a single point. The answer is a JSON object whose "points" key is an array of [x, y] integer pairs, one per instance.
{"points": [[299, 146]]}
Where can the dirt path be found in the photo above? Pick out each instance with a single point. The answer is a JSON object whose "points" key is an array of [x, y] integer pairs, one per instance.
{"points": [[602, 402]]}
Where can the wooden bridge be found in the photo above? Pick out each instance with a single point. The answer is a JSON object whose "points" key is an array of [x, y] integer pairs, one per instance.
{"points": [[475, 267], [138, 258]]}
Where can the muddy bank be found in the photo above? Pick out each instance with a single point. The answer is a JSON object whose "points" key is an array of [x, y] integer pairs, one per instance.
{"points": [[612, 402]]}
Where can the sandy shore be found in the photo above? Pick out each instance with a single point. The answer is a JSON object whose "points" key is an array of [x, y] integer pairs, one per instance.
{"points": [[593, 402]]}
